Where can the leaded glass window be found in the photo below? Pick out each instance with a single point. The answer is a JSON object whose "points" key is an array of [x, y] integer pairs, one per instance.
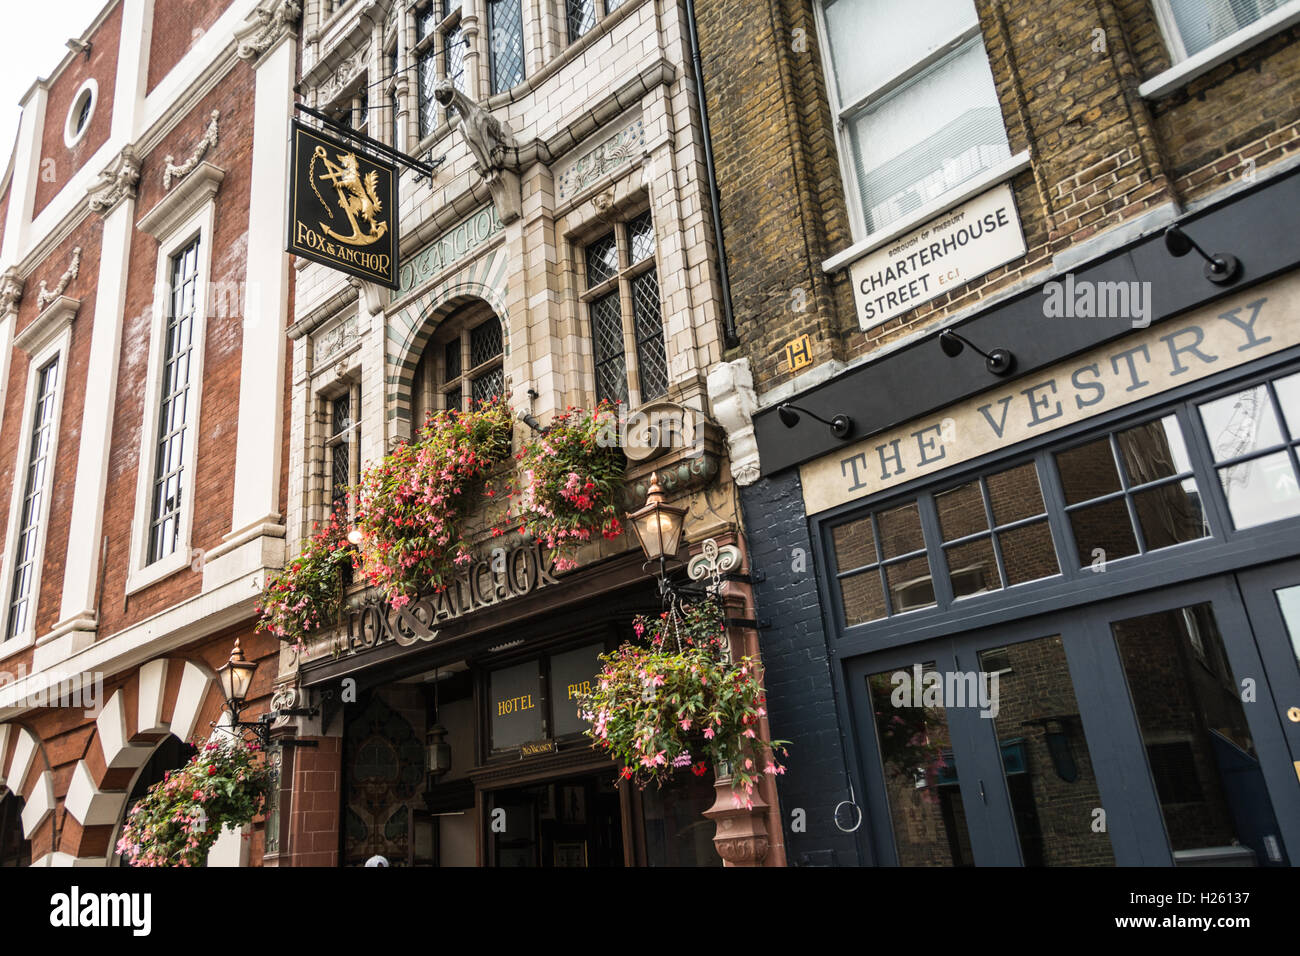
{"points": [[506, 41], [580, 16], [624, 308]]}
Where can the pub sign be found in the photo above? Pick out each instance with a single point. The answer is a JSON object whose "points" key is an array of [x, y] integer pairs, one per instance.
{"points": [[342, 207]]}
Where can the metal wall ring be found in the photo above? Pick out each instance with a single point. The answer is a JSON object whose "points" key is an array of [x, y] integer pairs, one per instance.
{"points": [[836, 813]]}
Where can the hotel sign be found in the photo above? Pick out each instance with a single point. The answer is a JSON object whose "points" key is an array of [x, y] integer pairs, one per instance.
{"points": [[342, 207], [950, 250], [1229, 333]]}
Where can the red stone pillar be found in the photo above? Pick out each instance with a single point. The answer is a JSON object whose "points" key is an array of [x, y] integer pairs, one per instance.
{"points": [[314, 812]]}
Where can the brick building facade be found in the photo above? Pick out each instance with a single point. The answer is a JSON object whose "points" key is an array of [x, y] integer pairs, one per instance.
{"points": [[851, 138], [145, 297]]}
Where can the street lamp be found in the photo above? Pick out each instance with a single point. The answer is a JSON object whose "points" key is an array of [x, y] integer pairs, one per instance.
{"points": [[658, 526], [236, 676]]}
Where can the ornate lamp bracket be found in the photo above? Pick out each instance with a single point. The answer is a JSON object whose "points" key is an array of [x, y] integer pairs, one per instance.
{"points": [[712, 563]]}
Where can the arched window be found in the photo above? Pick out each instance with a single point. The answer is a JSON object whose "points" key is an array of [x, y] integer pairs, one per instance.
{"points": [[462, 364], [15, 848]]}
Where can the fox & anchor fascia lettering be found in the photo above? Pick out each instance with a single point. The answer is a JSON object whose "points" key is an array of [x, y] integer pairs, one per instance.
{"points": [[376, 262]]}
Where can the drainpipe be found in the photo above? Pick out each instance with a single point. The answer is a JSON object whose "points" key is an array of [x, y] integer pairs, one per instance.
{"points": [[715, 201]]}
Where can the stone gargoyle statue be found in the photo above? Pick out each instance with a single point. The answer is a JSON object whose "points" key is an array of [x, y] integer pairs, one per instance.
{"points": [[488, 138]]}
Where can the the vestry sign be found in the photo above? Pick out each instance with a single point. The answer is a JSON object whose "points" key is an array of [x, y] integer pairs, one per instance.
{"points": [[342, 207], [953, 249]]}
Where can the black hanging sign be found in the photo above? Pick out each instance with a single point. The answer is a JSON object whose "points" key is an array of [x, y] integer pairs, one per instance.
{"points": [[342, 207]]}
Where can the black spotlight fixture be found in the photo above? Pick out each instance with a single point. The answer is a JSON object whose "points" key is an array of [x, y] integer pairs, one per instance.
{"points": [[1220, 268], [841, 425], [998, 362]]}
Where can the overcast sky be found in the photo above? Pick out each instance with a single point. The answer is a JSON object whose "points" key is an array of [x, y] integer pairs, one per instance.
{"points": [[31, 45]]}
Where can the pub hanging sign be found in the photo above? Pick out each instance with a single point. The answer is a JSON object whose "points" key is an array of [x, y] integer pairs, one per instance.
{"points": [[342, 207]]}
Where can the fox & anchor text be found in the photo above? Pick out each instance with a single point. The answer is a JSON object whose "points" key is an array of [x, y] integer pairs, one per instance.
{"points": [[376, 262]]}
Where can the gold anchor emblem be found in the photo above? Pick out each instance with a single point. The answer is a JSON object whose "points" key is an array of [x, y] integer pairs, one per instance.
{"points": [[357, 197]]}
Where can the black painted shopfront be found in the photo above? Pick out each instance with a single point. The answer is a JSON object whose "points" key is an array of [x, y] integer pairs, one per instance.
{"points": [[1054, 619], [525, 788]]}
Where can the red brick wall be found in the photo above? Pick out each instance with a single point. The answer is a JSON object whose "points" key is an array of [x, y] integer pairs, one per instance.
{"points": [[219, 411], [314, 816], [58, 163], [177, 26]]}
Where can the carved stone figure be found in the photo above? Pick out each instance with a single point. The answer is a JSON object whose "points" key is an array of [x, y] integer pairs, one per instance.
{"points": [[115, 183]]}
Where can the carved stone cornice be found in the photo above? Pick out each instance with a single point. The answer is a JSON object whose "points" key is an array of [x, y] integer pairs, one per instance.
{"points": [[116, 183], [45, 296], [49, 325], [334, 83], [174, 208], [209, 140], [270, 21], [11, 291]]}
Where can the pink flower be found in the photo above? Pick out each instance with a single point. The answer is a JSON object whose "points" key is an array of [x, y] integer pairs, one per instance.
{"points": [[708, 733]]}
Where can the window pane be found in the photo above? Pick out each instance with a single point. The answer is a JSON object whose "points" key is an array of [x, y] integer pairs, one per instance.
{"points": [[452, 399], [39, 448], [862, 598], [920, 777], [602, 260], [972, 568], [900, 530], [652, 362], [506, 35], [1105, 528], [897, 34], [607, 340], [1088, 471], [1194, 729], [1261, 490], [1288, 394], [927, 137], [427, 80], [453, 43], [961, 511], [1171, 514], [1027, 553], [1202, 23], [488, 386], [910, 584], [581, 17], [1239, 424], [1014, 494], [854, 545], [451, 359], [1046, 760], [641, 237], [1154, 450], [484, 342]]}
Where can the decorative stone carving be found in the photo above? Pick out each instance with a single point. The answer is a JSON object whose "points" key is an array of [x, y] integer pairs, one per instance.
{"points": [[326, 345], [171, 172], [11, 291], [488, 139], [732, 397], [347, 71], [116, 183], [45, 296], [606, 157], [269, 21]]}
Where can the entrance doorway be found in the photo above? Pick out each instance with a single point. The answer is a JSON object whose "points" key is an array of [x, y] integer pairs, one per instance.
{"points": [[572, 822], [1155, 729]]}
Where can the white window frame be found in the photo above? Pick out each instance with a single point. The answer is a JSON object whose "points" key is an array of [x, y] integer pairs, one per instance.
{"points": [[141, 574], [71, 135], [57, 346], [1186, 68], [842, 111]]}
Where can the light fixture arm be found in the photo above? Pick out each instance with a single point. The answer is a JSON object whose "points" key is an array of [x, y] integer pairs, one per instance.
{"points": [[999, 361]]}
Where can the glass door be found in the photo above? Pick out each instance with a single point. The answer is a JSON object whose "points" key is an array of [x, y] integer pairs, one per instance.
{"points": [[1193, 714], [978, 751]]}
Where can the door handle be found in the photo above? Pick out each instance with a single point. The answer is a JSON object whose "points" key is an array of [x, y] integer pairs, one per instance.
{"points": [[982, 797], [1294, 715]]}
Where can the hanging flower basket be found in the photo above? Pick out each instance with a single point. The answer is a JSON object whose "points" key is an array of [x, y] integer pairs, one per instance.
{"points": [[224, 784], [412, 504], [571, 476], [307, 594], [672, 701]]}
